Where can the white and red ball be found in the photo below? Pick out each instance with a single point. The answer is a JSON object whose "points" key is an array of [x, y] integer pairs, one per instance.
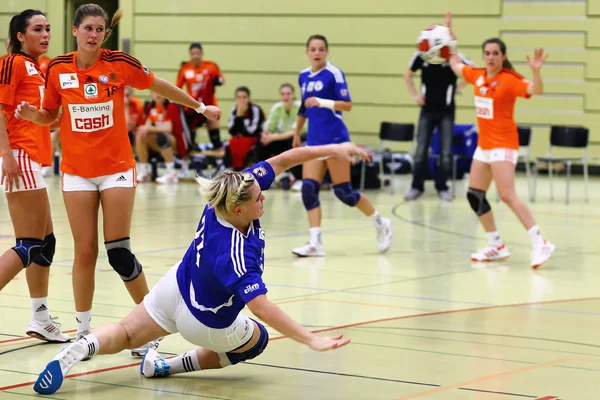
{"points": [[434, 44]]}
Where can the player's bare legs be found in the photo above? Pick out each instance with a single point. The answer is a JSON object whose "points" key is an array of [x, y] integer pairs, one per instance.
{"points": [[312, 177]]}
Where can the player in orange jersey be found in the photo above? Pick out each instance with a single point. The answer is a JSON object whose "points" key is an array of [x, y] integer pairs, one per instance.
{"points": [[497, 87], [24, 148], [97, 165], [200, 78], [156, 134]]}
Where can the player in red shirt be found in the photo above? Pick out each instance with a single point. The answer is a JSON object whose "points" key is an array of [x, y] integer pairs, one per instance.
{"points": [[24, 148], [98, 168], [200, 78], [496, 88]]}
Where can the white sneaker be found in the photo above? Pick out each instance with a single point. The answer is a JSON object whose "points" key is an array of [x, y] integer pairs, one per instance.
{"points": [[186, 174], [384, 235], [143, 350], [167, 178], [47, 330], [154, 366], [310, 250], [491, 254], [541, 254], [144, 177], [297, 186], [51, 378]]}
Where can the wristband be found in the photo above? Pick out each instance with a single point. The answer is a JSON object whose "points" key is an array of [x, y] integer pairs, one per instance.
{"points": [[201, 109], [326, 103]]}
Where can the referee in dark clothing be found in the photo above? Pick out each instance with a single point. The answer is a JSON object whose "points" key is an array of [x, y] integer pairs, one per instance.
{"points": [[436, 98]]}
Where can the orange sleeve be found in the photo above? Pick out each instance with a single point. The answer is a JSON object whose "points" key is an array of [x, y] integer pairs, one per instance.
{"points": [[519, 85], [140, 111], [11, 74], [180, 79], [470, 74], [135, 74], [52, 99]]}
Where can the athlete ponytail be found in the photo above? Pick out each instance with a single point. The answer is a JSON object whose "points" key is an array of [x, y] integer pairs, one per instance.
{"points": [[505, 63], [19, 24], [226, 191], [94, 10]]}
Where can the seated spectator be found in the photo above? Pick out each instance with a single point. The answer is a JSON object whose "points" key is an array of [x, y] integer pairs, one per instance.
{"points": [[279, 128], [245, 126], [134, 114], [156, 135]]}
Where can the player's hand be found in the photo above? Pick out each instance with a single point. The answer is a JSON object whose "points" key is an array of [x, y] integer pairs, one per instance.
{"points": [[350, 152], [311, 102], [324, 343], [448, 19], [538, 59], [266, 137], [420, 99], [10, 172], [212, 112], [25, 111], [297, 141]]}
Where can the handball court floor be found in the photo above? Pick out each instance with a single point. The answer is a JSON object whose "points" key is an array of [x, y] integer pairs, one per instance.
{"points": [[424, 321]]}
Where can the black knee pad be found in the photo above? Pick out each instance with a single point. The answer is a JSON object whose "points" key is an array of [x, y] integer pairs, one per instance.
{"points": [[122, 260], [346, 194], [28, 250], [162, 140], [255, 351], [47, 255], [478, 202], [310, 193]]}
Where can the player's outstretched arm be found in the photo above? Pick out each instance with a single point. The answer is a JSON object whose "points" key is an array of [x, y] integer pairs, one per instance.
{"points": [[283, 323], [173, 93], [455, 62], [299, 155], [40, 117]]}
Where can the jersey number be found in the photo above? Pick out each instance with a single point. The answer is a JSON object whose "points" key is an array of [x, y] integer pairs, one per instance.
{"points": [[111, 91], [200, 246]]}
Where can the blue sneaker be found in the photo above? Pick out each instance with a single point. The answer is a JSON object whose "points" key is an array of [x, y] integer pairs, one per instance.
{"points": [[51, 378], [154, 366]]}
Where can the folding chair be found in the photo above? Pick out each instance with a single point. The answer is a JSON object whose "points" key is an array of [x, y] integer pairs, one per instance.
{"points": [[391, 132], [570, 137]]}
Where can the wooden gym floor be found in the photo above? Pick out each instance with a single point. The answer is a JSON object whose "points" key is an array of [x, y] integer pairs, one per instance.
{"points": [[425, 322]]}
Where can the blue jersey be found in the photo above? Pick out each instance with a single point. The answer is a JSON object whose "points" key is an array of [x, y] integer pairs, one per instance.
{"points": [[222, 269], [325, 126]]}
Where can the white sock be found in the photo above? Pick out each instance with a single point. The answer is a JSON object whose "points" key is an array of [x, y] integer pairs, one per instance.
{"points": [[170, 167], [315, 235], [90, 343], [185, 165], [535, 235], [494, 239], [377, 220], [84, 320], [143, 168], [186, 362], [40, 308]]}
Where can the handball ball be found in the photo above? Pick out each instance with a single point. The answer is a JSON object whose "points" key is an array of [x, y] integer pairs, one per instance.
{"points": [[434, 44]]}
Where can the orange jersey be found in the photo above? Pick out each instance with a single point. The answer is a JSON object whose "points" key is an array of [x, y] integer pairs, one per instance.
{"points": [[199, 81], [158, 116], [495, 100], [93, 129], [135, 111], [43, 62], [22, 80]]}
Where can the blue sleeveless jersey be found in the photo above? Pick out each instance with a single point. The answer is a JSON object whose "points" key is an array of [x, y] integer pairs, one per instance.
{"points": [[325, 126], [222, 269]]}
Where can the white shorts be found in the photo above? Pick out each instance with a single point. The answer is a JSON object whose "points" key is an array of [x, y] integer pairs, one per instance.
{"points": [[166, 307], [74, 183], [496, 155], [31, 178]]}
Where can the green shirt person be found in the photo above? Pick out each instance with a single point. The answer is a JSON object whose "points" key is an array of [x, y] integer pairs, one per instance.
{"points": [[282, 118]]}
